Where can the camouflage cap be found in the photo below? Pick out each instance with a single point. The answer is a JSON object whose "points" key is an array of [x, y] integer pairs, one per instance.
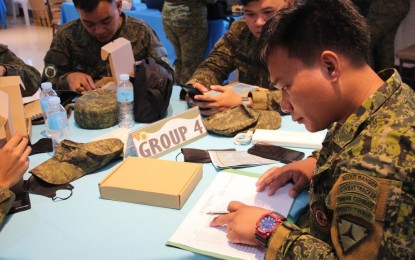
{"points": [[73, 160], [97, 109], [241, 118]]}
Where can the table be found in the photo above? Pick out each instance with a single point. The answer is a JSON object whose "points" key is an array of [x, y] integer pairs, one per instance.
{"points": [[88, 227], [153, 18]]}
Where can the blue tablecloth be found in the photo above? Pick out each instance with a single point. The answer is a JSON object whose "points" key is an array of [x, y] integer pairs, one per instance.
{"points": [[3, 11], [88, 227]]}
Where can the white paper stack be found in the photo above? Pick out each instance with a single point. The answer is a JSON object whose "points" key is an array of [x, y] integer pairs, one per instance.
{"points": [[288, 138]]}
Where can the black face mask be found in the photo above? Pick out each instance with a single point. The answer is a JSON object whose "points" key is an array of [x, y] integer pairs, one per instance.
{"points": [[198, 155], [37, 186]]}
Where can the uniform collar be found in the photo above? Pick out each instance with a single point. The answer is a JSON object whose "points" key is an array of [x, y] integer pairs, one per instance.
{"points": [[345, 133]]}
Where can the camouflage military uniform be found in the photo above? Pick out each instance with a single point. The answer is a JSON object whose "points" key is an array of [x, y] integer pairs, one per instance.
{"points": [[16, 67], [362, 194], [6, 199], [73, 49], [236, 50], [186, 26], [383, 18]]}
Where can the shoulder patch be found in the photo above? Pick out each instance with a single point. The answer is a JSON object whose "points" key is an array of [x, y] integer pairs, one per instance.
{"points": [[50, 71]]}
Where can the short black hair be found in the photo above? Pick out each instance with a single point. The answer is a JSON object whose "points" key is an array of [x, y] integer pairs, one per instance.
{"points": [[307, 29], [88, 5]]}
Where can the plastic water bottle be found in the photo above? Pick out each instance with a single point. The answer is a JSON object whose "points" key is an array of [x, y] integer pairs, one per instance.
{"points": [[45, 94], [125, 99], [58, 121]]}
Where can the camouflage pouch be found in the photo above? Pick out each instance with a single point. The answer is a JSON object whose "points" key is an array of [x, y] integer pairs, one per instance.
{"points": [[96, 109], [240, 119]]}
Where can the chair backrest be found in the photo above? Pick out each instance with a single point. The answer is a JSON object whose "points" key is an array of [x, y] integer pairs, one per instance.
{"points": [[40, 12], [54, 7]]}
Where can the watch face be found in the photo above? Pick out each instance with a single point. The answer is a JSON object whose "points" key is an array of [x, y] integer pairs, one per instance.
{"points": [[267, 223]]}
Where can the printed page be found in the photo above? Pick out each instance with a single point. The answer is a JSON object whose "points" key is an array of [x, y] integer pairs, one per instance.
{"points": [[233, 159], [196, 235]]}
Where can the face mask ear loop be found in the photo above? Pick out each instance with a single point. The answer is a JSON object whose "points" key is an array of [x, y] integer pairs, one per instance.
{"points": [[178, 155], [59, 198], [26, 184]]}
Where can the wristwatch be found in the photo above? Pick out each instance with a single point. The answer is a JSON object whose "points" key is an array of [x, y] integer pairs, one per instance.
{"points": [[265, 225]]}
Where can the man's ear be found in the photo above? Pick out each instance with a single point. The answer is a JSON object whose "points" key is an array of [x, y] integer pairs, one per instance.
{"points": [[119, 5], [329, 62]]}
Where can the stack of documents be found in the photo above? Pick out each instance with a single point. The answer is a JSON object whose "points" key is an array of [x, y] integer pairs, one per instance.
{"points": [[288, 138]]}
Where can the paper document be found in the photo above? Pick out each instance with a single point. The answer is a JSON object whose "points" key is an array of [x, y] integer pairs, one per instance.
{"points": [[195, 234], [288, 138], [236, 159]]}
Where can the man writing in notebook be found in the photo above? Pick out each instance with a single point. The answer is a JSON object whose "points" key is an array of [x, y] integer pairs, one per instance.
{"points": [[362, 190]]}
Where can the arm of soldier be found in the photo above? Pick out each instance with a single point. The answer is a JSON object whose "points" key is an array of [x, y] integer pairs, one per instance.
{"points": [[11, 65], [213, 104], [13, 164], [218, 66], [287, 238]]}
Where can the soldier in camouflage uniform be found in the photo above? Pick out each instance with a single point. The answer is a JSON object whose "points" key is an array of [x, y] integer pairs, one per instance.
{"points": [[186, 26], [383, 18], [14, 162], [11, 65], [74, 58], [236, 50], [362, 191]]}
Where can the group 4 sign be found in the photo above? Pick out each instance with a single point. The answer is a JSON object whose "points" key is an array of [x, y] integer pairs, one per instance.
{"points": [[165, 135]]}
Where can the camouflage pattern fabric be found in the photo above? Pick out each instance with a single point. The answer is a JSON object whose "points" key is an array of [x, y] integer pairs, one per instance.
{"points": [[384, 18], [362, 193], [236, 50], [7, 198], [73, 160], [17, 67], [186, 26], [73, 49], [241, 118], [97, 109]]}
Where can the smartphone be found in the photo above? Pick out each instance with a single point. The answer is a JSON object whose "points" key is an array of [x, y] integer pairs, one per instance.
{"points": [[21, 203], [191, 91], [67, 96], [278, 153]]}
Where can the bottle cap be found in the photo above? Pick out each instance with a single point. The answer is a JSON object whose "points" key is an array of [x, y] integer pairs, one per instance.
{"points": [[54, 100], [46, 85], [124, 77]]}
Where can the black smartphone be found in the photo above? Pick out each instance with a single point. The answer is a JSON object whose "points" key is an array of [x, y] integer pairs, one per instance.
{"points": [[277, 153], [21, 203], [67, 96], [191, 91]]}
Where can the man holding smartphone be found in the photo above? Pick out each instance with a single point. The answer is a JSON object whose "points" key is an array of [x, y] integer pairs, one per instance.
{"points": [[362, 190], [236, 51]]}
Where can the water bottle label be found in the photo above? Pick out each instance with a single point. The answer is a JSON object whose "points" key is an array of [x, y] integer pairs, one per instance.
{"points": [[125, 95], [58, 121]]}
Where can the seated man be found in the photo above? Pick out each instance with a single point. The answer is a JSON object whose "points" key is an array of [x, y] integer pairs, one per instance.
{"points": [[14, 162], [236, 51], [362, 190], [11, 65], [74, 59]]}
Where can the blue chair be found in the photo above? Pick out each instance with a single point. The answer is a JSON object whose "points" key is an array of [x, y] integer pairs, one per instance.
{"points": [[155, 4], [3, 11]]}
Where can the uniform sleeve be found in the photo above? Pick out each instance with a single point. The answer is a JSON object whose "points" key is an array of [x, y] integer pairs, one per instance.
{"points": [[290, 242], [6, 199], [17, 67], [220, 63], [57, 62], [157, 51]]}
